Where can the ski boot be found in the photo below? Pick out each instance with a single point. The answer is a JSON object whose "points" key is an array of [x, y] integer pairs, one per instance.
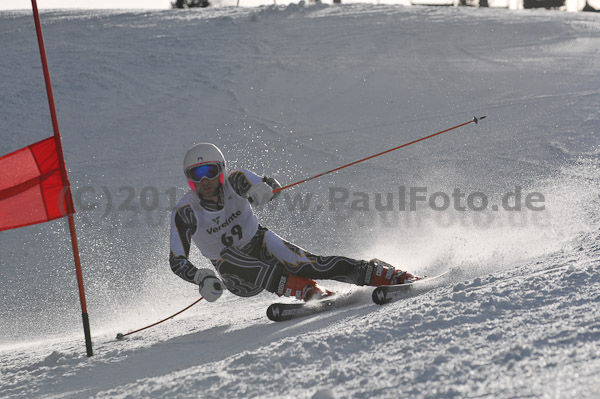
{"points": [[304, 289], [382, 273]]}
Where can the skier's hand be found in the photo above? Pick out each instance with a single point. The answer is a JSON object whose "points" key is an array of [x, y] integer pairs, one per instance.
{"points": [[211, 288], [260, 193], [271, 181]]}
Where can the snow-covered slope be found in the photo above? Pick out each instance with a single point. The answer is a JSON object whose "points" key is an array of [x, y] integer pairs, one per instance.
{"points": [[291, 92]]}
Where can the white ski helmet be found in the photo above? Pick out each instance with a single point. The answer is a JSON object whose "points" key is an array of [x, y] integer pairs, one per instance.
{"points": [[203, 154]]}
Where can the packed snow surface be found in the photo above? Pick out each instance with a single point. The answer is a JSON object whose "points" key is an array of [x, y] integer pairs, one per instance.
{"points": [[290, 92]]}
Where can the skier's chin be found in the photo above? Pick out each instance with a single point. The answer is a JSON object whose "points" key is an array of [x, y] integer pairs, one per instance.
{"points": [[207, 193]]}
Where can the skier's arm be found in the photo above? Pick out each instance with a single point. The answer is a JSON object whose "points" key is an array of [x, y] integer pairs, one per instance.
{"points": [[183, 227], [248, 184]]}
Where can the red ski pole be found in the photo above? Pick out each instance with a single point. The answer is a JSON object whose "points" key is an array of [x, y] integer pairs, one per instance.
{"points": [[121, 336], [474, 120]]}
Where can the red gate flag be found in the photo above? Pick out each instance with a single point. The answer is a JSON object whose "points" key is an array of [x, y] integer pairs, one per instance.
{"points": [[32, 189]]}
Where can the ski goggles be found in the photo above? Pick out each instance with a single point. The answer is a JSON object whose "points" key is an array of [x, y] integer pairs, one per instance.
{"points": [[204, 171]]}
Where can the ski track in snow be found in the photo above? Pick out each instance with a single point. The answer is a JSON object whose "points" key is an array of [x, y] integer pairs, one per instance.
{"points": [[292, 91]]}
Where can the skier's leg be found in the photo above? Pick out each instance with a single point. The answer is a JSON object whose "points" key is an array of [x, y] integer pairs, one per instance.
{"points": [[245, 276], [270, 263], [305, 264], [243, 273], [251, 269], [302, 263]]}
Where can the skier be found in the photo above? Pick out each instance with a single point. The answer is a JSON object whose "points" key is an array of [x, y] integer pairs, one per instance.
{"points": [[249, 258]]}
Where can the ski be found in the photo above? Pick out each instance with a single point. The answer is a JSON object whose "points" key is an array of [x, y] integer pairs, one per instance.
{"points": [[388, 293], [381, 295], [289, 311], [294, 310]]}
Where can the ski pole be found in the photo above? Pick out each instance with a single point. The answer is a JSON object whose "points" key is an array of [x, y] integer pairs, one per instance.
{"points": [[121, 336], [474, 120]]}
